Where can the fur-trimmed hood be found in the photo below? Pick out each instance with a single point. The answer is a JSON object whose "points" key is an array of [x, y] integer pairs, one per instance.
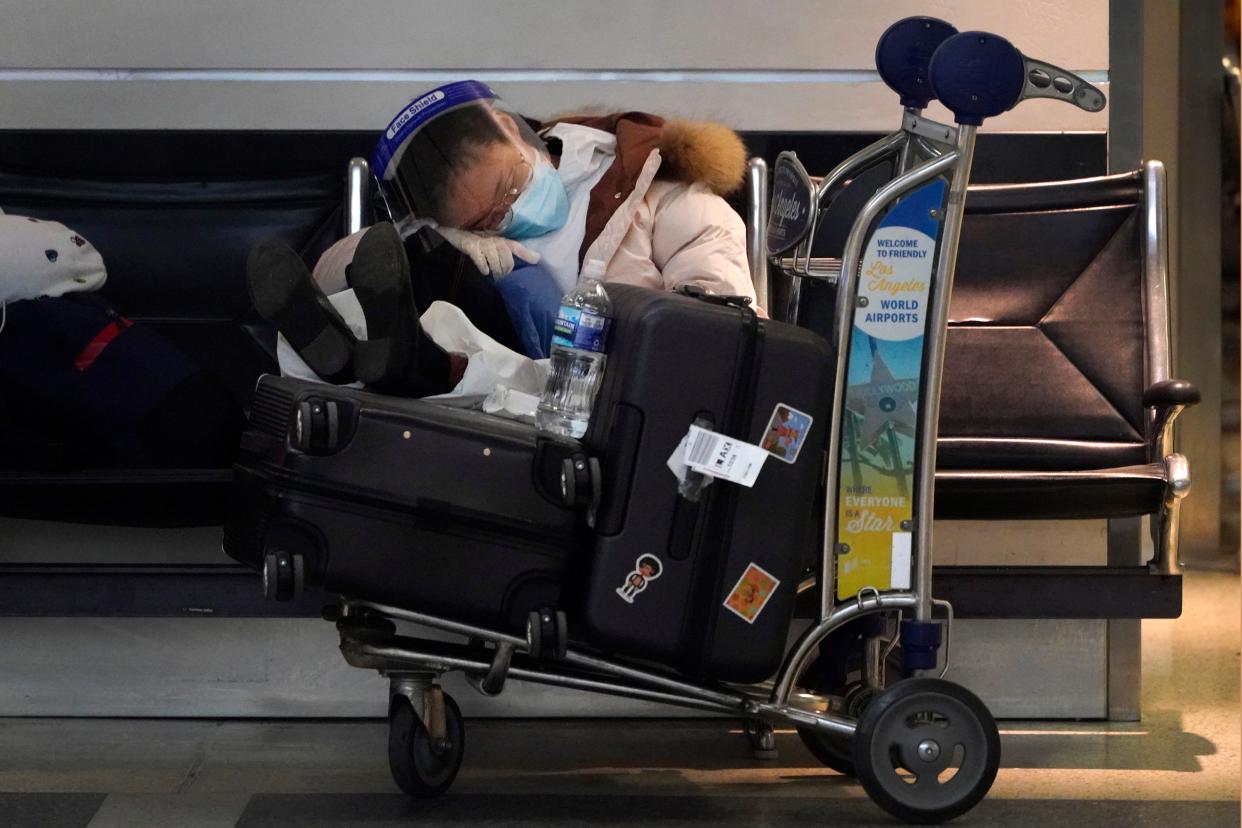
{"points": [[703, 151]]}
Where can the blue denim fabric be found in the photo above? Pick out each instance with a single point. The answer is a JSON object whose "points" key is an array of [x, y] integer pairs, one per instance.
{"points": [[532, 299]]}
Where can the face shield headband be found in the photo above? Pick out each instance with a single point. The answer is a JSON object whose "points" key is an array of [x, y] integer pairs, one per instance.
{"points": [[450, 154]]}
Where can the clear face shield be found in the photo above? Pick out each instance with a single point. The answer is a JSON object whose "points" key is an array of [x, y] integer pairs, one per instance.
{"points": [[458, 157]]}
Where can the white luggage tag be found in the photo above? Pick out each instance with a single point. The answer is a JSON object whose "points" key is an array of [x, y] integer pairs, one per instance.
{"points": [[690, 483], [727, 458]]}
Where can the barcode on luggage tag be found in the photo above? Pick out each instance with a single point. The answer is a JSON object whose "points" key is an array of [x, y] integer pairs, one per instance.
{"points": [[722, 456], [702, 446]]}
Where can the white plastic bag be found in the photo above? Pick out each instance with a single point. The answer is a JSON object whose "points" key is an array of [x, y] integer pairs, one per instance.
{"points": [[497, 379], [492, 366]]}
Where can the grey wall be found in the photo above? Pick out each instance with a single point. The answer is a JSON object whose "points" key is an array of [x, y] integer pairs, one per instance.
{"points": [[320, 64]]}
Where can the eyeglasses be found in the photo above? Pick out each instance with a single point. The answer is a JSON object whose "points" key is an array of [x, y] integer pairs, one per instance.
{"points": [[499, 214]]}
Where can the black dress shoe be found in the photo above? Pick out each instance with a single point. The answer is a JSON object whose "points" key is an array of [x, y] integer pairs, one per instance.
{"points": [[396, 357], [283, 292]]}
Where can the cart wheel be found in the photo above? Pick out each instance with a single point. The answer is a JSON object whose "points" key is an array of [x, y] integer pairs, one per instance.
{"points": [[837, 752], [834, 752], [419, 767], [926, 750]]}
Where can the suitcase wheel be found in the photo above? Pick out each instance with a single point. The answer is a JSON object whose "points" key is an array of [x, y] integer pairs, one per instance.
{"points": [[284, 575], [547, 633], [581, 482]]}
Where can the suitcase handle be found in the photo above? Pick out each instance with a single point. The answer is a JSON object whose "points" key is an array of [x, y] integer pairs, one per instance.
{"points": [[700, 292]]}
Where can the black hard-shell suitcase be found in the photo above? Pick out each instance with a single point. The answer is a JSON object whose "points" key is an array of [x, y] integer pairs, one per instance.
{"points": [[718, 597], [447, 512]]}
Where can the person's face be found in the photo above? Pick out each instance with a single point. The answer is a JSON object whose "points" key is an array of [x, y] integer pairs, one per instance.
{"points": [[480, 194]]}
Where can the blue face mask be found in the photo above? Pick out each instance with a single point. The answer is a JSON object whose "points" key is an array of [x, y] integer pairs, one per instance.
{"points": [[542, 207]]}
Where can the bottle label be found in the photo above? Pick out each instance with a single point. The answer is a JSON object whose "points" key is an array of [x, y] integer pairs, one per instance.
{"points": [[583, 330]]}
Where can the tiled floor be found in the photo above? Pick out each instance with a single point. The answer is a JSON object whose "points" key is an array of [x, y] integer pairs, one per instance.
{"points": [[1179, 766]]}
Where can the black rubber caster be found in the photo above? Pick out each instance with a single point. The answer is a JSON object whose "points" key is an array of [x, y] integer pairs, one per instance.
{"points": [[762, 740], [423, 767], [837, 752], [547, 633], [284, 575], [926, 750], [849, 699], [833, 752]]}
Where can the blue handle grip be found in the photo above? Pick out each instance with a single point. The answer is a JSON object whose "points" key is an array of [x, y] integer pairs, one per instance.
{"points": [[977, 75], [903, 54]]}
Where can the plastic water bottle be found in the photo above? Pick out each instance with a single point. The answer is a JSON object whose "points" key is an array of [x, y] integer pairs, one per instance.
{"points": [[579, 341]]}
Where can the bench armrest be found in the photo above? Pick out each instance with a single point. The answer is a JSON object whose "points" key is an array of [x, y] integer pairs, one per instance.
{"points": [[1171, 392], [1166, 399]]}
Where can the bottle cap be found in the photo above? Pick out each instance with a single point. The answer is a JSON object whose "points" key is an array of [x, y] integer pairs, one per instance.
{"points": [[593, 269]]}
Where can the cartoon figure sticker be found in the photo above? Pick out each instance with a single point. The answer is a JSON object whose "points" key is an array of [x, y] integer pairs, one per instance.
{"points": [[751, 593], [786, 432], [646, 569]]}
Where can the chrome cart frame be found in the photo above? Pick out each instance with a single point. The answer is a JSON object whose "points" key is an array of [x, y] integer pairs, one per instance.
{"points": [[922, 151]]}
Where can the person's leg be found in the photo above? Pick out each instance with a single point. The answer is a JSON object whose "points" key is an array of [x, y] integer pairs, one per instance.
{"points": [[283, 292], [532, 299], [446, 275], [396, 357]]}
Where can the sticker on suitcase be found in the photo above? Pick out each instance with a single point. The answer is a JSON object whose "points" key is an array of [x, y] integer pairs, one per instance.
{"points": [[786, 432], [646, 569], [751, 593]]}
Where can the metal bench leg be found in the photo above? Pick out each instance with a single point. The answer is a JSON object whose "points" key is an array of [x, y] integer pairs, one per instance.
{"points": [[1177, 472]]}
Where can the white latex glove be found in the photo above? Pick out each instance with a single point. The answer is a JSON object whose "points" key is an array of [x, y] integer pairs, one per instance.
{"points": [[490, 254]]}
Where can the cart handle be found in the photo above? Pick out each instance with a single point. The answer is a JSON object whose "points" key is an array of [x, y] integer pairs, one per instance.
{"points": [[903, 55], [979, 75]]}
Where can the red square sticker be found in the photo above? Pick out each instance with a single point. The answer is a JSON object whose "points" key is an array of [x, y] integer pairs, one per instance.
{"points": [[751, 593]]}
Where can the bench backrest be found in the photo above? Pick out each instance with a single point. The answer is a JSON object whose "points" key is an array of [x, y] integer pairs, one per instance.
{"points": [[1050, 326], [174, 216]]}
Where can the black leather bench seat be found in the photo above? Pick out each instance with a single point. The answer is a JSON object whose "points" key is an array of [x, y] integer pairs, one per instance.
{"points": [[1031, 495]]}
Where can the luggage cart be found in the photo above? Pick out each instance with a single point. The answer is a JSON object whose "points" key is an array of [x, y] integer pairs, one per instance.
{"points": [[892, 367], [924, 748]]}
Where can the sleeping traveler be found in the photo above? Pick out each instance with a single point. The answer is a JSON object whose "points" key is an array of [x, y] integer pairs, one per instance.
{"points": [[527, 209]]}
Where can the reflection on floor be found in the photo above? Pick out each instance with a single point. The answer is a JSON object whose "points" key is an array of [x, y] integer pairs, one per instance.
{"points": [[1180, 765]]}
